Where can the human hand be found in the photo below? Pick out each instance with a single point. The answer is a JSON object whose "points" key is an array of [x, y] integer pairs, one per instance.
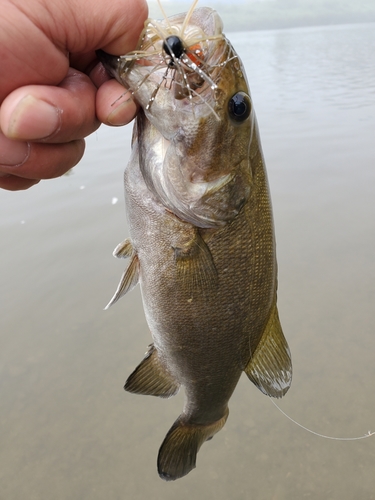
{"points": [[53, 91]]}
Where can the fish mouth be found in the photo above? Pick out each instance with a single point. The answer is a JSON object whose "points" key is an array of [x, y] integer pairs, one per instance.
{"points": [[182, 74], [183, 55], [109, 61]]}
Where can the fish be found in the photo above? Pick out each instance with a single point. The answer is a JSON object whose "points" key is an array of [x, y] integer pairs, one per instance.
{"points": [[202, 244]]}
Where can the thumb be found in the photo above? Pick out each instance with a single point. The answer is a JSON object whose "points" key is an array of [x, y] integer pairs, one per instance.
{"points": [[86, 25]]}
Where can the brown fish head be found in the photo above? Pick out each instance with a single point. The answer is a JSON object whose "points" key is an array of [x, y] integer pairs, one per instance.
{"points": [[192, 87]]}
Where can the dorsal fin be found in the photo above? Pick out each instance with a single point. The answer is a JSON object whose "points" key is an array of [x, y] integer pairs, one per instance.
{"points": [[123, 249], [270, 367], [151, 378]]}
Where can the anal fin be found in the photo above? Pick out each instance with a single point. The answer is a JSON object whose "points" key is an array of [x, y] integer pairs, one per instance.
{"points": [[128, 281], [270, 367], [151, 378]]}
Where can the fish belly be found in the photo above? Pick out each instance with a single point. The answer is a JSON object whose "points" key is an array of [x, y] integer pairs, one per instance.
{"points": [[207, 295]]}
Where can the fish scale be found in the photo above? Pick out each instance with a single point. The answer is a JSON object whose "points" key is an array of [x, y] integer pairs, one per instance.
{"points": [[202, 241]]}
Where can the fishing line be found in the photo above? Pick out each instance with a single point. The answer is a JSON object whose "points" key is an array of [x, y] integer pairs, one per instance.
{"points": [[369, 433], [188, 16], [164, 14]]}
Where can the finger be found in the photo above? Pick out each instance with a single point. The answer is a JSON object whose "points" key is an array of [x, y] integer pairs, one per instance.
{"points": [[13, 153], [13, 183], [127, 22], [51, 114], [45, 161], [114, 104], [98, 74]]}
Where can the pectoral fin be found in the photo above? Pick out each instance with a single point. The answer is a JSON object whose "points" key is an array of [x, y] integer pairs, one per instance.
{"points": [[151, 378], [270, 367], [195, 265], [128, 281]]}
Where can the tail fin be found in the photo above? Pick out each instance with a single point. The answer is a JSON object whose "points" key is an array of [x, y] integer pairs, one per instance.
{"points": [[178, 452]]}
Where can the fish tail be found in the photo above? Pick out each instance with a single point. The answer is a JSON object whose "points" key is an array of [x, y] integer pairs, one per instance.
{"points": [[178, 452]]}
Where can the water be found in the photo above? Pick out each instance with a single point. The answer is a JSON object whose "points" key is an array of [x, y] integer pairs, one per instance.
{"points": [[68, 430]]}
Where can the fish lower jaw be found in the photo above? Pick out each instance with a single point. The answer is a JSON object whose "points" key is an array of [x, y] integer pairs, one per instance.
{"points": [[200, 203], [198, 189]]}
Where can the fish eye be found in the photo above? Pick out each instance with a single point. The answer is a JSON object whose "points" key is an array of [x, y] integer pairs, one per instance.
{"points": [[173, 45], [239, 107]]}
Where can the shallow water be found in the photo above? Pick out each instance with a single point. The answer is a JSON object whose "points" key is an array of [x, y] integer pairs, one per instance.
{"points": [[68, 430]]}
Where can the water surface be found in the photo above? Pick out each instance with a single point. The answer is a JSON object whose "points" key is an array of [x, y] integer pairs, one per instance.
{"points": [[69, 431]]}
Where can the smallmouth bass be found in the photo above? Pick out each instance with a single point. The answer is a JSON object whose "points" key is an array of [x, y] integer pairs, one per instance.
{"points": [[201, 241]]}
